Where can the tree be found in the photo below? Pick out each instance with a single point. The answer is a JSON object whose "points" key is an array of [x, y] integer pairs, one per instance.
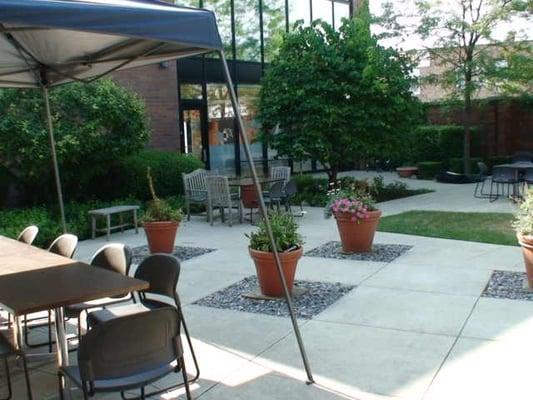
{"points": [[95, 125], [336, 96], [461, 39]]}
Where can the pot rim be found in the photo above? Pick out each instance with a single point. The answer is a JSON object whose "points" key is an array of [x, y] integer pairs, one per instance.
{"points": [[160, 223], [298, 249], [372, 214], [525, 240]]}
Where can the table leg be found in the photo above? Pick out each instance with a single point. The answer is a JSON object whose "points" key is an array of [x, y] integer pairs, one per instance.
{"points": [[121, 219], [93, 226], [135, 221], [18, 337], [62, 346], [108, 219]]}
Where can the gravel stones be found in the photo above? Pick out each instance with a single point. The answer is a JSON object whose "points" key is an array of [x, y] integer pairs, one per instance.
{"points": [[379, 253], [317, 297], [508, 285], [182, 253]]}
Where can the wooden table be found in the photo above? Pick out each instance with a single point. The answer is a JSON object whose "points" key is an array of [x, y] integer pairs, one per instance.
{"points": [[33, 280], [247, 190]]}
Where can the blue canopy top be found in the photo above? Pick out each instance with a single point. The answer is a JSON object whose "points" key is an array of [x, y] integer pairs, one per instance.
{"points": [[51, 42]]}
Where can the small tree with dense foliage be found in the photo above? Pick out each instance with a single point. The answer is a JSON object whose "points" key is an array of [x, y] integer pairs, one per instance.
{"points": [[337, 96], [95, 125]]}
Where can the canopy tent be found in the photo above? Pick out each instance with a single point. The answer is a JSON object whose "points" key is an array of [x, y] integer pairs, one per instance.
{"points": [[45, 43]]}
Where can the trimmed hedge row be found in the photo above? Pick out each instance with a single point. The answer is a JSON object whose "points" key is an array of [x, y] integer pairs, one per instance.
{"points": [[435, 143]]}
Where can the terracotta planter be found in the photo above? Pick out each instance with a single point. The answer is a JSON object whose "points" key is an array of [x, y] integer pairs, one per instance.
{"points": [[407, 172], [161, 236], [249, 196], [357, 237], [527, 250], [267, 273]]}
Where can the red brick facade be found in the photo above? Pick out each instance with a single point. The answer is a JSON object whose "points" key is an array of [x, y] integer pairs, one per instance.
{"points": [[503, 127], [158, 87]]}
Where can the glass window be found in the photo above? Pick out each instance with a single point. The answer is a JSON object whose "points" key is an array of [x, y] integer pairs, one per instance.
{"points": [[299, 10], [322, 10], [191, 91], [221, 130], [248, 100], [342, 10], [247, 31], [273, 26]]}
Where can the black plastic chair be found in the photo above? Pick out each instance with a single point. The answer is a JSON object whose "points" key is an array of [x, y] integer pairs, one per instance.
{"points": [[483, 177], [8, 350], [289, 193], [274, 196], [128, 353], [28, 235], [505, 177], [64, 245], [114, 257], [162, 272]]}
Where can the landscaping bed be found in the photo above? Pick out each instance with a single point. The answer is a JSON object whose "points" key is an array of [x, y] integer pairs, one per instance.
{"points": [[494, 228]]}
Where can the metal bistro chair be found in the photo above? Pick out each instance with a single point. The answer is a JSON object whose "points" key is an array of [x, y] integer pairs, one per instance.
{"points": [[219, 196], [28, 235], [506, 177], [289, 193], [195, 188], [8, 350], [64, 245], [528, 177], [128, 353], [275, 195], [114, 257], [162, 272], [483, 177]]}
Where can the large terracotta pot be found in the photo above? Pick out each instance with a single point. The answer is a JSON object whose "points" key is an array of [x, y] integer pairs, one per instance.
{"points": [[527, 250], [357, 236], [267, 273], [161, 236], [406, 172], [249, 196]]}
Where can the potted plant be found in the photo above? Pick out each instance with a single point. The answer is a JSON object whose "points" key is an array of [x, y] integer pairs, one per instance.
{"points": [[160, 222], [289, 245], [523, 225], [357, 218]]}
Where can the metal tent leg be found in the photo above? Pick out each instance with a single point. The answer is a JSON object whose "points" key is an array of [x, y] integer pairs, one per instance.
{"points": [[54, 158], [263, 209]]}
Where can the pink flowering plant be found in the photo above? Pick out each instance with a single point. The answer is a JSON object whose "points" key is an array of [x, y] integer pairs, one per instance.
{"points": [[354, 201]]}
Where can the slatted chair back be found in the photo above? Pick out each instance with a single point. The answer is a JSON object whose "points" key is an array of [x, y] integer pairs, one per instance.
{"points": [[28, 235], [195, 185], [280, 173], [218, 193]]}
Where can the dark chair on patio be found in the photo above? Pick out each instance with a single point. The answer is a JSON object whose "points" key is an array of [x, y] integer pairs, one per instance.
{"points": [[528, 176], [162, 272], [483, 177], [503, 177], [128, 353], [8, 350], [28, 235], [114, 257], [289, 194], [274, 196]]}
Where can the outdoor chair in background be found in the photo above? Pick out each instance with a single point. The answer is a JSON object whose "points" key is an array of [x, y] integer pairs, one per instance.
{"points": [[522, 156], [64, 245], [289, 194], [115, 257], [195, 188], [483, 177], [28, 235], [274, 196], [128, 353], [506, 178], [219, 196], [528, 177], [8, 350], [162, 272], [283, 173]]}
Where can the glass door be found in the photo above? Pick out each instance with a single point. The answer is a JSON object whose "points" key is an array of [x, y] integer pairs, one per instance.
{"points": [[194, 135]]}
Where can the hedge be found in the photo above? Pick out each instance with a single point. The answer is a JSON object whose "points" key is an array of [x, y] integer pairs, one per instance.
{"points": [[429, 169]]}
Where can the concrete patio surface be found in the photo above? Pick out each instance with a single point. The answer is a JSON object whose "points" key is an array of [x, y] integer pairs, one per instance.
{"points": [[416, 328]]}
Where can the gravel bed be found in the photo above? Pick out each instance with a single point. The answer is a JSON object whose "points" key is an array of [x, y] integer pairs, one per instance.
{"points": [[507, 285], [379, 253], [183, 253], [317, 298]]}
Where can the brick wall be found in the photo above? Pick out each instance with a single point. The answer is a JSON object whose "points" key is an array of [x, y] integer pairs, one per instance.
{"points": [[503, 127], [158, 87]]}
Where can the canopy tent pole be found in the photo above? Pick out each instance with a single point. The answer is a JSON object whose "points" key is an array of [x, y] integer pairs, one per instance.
{"points": [[54, 158], [262, 207]]}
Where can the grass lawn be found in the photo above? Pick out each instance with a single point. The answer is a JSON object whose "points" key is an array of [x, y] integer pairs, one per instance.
{"points": [[492, 228]]}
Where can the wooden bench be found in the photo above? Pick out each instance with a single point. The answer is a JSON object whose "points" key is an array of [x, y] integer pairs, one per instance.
{"points": [[107, 213]]}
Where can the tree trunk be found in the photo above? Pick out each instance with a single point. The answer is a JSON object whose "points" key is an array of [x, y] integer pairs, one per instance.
{"points": [[332, 176], [467, 122]]}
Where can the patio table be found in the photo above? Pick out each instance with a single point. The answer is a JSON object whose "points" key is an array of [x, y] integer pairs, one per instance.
{"points": [[518, 167], [247, 190], [33, 280]]}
